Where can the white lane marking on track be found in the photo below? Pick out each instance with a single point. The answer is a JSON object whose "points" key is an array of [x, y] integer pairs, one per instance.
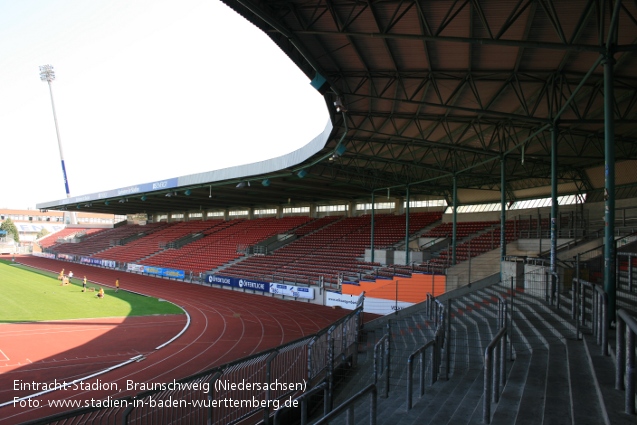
{"points": [[5, 356]]}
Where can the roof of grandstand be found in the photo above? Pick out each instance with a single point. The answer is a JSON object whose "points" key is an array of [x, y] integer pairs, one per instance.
{"points": [[432, 92]]}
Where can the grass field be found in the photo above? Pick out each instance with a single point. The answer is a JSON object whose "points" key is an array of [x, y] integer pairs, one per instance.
{"points": [[27, 295]]}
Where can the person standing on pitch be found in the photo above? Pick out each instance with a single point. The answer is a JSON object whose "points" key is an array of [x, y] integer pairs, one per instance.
{"points": [[116, 284], [84, 284]]}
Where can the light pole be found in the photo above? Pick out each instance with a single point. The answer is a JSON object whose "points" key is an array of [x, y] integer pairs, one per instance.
{"points": [[48, 74]]}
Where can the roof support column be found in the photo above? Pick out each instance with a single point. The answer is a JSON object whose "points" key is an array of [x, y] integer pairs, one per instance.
{"points": [[503, 206], [609, 185], [454, 221], [407, 227], [371, 237], [554, 206]]}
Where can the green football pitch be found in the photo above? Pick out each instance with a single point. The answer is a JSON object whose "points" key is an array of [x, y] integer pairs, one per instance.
{"points": [[28, 295]]}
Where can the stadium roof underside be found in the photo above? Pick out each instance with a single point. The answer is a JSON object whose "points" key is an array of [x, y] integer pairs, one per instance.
{"points": [[437, 91]]}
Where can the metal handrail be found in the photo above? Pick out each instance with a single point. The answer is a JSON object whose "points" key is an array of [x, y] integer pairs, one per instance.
{"points": [[348, 404], [494, 377], [303, 401], [599, 319], [630, 256], [410, 366], [384, 358], [436, 310], [625, 358]]}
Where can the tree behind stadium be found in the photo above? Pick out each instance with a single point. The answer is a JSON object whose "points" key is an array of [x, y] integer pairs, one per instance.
{"points": [[10, 228]]}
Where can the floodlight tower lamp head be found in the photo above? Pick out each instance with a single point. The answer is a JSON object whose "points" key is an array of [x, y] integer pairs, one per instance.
{"points": [[47, 73]]}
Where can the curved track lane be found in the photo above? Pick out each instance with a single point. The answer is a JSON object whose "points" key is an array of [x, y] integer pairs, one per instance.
{"points": [[225, 325]]}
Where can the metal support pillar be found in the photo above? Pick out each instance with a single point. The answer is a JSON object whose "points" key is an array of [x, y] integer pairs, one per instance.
{"points": [[455, 221], [372, 231], [554, 206], [407, 227], [609, 185], [503, 204]]}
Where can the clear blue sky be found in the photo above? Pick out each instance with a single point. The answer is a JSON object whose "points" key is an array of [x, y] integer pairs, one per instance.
{"points": [[144, 90]]}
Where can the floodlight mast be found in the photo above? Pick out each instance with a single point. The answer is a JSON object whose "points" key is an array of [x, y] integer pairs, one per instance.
{"points": [[48, 74]]}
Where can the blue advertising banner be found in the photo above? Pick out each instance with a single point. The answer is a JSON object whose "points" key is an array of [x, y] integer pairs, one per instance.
{"points": [[218, 280], [254, 285], [173, 273], [153, 270]]}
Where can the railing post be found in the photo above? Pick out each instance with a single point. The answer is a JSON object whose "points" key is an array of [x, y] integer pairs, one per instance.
{"points": [[630, 273], [131, 406], [268, 378], [583, 304], [349, 419], [496, 374], [310, 346], [574, 305], [423, 363], [388, 359], [211, 384], [557, 290], [435, 358], [597, 318], [344, 331], [620, 353], [330, 367], [359, 321], [630, 373], [503, 356], [448, 340], [486, 403], [511, 320], [546, 287], [410, 369], [605, 322], [373, 407]]}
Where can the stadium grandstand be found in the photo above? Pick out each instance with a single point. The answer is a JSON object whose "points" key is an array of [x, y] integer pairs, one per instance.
{"points": [[473, 197], [40, 229]]}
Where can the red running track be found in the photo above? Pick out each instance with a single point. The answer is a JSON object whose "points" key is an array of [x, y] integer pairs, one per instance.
{"points": [[71, 349], [225, 325]]}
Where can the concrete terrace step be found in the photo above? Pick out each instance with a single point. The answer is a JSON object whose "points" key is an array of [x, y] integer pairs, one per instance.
{"points": [[506, 411], [584, 386], [604, 376], [550, 381], [458, 398]]}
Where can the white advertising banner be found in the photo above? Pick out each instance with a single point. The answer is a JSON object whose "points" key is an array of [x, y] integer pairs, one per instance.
{"points": [[333, 299], [136, 268], [383, 307], [371, 305], [292, 291]]}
